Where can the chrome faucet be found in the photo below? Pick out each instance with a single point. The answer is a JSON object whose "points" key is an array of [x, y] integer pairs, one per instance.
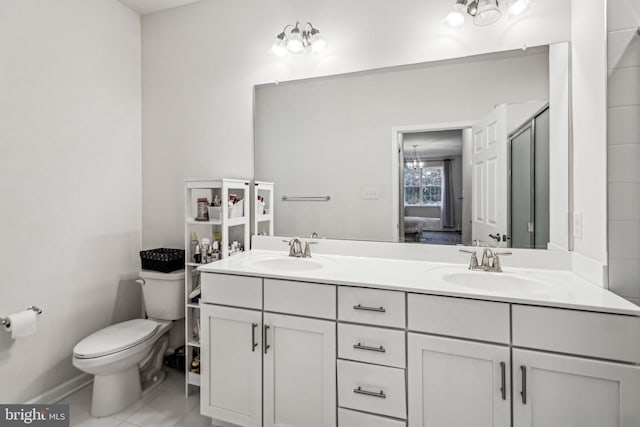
{"points": [[490, 260], [295, 248]]}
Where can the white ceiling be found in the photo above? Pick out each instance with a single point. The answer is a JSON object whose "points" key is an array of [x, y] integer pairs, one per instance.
{"points": [[435, 145], [149, 6]]}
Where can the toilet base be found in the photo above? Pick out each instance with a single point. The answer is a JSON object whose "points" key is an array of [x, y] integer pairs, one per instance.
{"points": [[116, 391]]}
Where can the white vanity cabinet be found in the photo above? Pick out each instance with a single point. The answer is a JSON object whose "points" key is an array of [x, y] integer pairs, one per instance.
{"points": [[553, 390], [453, 383], [261, 368], [287, 353], [231, 365], [585, 386], [299, 371]]}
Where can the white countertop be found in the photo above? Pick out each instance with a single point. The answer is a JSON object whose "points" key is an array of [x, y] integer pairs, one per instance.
{"points": [[552, 288]]}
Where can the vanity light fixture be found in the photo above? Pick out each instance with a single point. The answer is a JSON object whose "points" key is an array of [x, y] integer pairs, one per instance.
{"points": [[297, 38], [483, 12]]}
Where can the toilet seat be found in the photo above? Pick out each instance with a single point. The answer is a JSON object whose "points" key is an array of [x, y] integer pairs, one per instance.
{"points": [[116, 338]]}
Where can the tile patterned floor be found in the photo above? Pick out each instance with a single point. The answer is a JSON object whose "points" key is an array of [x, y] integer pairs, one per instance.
{"points": [[166, 406]]}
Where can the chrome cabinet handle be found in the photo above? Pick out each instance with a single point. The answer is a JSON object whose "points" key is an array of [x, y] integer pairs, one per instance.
{"points": [[523, 393], [503, 387], [266, 345], [361, 346], [365, 308], [254, 344], [379, 394]]}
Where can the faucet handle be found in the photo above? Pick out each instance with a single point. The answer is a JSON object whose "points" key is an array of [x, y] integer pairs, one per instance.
{"points": [[307, 248], [473, 262], [497, 265]]}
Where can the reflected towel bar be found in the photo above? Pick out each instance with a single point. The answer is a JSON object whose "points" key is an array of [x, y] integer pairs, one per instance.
{"points": [[286, 198], [4, 321]]}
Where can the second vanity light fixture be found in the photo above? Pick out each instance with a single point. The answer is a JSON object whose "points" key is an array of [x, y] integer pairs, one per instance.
{"points": [[484, 12], [297, 39]]}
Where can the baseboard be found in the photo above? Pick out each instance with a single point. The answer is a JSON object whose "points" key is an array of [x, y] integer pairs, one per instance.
{"points": [[63, 390]]}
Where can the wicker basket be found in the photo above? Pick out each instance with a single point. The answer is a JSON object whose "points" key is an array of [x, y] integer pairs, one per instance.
{"points": [[163, 260]]}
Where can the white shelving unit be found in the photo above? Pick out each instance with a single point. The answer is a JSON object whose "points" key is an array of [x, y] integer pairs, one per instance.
{"points": [[230, 229], [263, 219]]}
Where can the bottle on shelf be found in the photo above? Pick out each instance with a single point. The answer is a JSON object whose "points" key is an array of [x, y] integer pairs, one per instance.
{"points": [[194, 242], [197, 256]]}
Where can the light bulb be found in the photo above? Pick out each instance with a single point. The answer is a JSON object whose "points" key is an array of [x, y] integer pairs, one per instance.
{"points": [[488, 13], [317, 42], [516, 7], [455, 18], [294, 41], [279, 47]]}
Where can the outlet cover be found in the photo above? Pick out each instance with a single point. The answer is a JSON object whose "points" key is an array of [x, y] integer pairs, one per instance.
{"points": [[371, 194], [577, 225]]}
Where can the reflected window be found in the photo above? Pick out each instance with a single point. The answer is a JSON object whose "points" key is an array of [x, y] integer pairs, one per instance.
{"points": [[423, 186]]}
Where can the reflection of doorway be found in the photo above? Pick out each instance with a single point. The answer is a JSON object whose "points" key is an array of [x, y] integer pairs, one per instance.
{"points": [[431, 187], [529, 183]]}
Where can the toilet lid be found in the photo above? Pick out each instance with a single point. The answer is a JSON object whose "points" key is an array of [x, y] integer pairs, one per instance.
{"points": [[115, 338]]}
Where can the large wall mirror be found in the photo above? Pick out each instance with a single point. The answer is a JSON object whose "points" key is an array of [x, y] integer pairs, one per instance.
{"points": [[462, 151]]}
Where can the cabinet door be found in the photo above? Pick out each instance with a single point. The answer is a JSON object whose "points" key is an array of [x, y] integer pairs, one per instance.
{"points": [[231, 368], [455, 383], [299, 372], [562, 391]]}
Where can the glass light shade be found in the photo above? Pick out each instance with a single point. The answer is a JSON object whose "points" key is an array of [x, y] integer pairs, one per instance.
{"points": [[516, 7], [455, 18], [279, 47], [294, 42], [488, 13], [318, 44]]}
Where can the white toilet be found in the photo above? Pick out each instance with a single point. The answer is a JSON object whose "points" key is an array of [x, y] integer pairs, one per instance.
{"points": [[126, 358]]}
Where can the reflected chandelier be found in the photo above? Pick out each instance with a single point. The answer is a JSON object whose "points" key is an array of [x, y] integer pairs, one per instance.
{"points": [[297, 38], [484, 12]]}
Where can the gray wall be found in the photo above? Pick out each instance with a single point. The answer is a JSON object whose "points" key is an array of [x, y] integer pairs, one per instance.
{"points": [[624, 147]]}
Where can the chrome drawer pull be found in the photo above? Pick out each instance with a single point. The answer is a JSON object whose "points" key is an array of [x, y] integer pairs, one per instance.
{"points": [[365, 308], [361, 346], [379, 394]]}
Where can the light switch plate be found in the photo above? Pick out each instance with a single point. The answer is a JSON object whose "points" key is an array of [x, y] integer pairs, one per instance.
{"points": [[371, 194]]}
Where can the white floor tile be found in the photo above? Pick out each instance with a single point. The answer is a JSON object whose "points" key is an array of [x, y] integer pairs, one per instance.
{"points": [[148, 397], [165, 410], [174, 380], [194, 419], [166, 406]]}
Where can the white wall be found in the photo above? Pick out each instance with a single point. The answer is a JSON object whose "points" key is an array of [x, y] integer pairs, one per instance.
{"points": [[588, 73], [70, 179], [624, 147], [200, 63]]}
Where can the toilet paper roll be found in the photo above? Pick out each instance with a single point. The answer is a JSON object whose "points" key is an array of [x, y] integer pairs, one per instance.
{"points": [[22, 324]]}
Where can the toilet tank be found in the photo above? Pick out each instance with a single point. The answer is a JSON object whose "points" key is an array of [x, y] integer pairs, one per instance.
{"points": [[163, 294]]}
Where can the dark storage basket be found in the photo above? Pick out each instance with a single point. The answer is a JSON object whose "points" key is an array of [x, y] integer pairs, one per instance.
{"points": [[162, 259]]}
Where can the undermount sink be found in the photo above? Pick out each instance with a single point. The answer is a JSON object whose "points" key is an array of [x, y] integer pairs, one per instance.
{"points": [[286, 264], [491, 282]]}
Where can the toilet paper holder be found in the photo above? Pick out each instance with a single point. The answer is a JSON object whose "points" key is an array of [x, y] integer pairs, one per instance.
{"points": [[4, 321]]}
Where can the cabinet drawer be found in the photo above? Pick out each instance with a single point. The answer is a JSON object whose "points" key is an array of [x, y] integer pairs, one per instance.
{"points": [[348, 418], [307, 299], [372, 306], [238, 291], [457, 317], [372, 345], [607, 336], [372, 388]]}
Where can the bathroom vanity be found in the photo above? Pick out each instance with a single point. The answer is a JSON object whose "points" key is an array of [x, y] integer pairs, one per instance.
{"points": [[357, 341]]}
